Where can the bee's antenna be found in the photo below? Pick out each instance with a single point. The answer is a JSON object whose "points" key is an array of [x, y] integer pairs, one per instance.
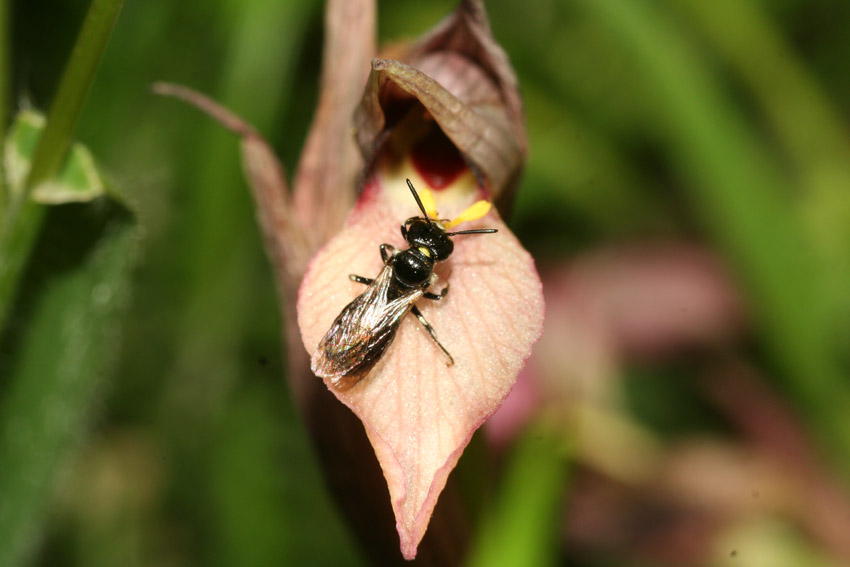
{"points": [[418, 200], [473, 231]]}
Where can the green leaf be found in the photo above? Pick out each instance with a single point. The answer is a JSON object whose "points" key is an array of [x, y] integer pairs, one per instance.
{"points": [[77, 179], [62, 331], [20, 218]]}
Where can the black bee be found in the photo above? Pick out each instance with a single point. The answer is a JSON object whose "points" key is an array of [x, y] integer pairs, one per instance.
{"points": [[365, 328]]}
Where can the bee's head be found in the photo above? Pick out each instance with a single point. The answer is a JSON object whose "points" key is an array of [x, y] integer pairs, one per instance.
{"points": [[432, 233], [427, 233]]}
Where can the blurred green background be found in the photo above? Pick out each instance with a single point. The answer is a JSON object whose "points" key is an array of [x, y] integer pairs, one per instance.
{"points": [[718, 123]]}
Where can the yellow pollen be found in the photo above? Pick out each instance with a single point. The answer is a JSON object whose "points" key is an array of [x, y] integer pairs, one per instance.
{"points": [[428, 202], [425, 251], [475, 211]]}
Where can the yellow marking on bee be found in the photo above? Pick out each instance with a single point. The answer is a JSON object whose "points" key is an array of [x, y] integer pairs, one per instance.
{"points": [[425, 251]]}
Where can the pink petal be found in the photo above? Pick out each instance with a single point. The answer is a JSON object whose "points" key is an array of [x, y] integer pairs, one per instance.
{"points": [[419, 413]]}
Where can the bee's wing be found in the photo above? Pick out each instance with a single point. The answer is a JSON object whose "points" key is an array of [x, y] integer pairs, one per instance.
{"points": [[361, 332]]}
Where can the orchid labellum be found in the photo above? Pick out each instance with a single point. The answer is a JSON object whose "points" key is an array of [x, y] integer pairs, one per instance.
{"points": [[445, 113]]}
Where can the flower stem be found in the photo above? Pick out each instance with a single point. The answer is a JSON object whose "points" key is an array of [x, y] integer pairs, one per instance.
{"points": [[76, 82], [21, 218], [4, 100], [4, 96]]}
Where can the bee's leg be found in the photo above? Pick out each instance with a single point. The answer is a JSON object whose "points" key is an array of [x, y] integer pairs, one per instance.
{"points": [[387, 252], [430, 329], [436, 296], [360, 279]]}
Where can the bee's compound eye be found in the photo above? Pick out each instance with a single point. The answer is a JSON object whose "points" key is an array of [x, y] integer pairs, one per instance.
{"points": [[413, 268]]}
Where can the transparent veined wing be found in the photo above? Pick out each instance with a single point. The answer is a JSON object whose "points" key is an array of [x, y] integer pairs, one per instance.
{"points": [[362, 331]]}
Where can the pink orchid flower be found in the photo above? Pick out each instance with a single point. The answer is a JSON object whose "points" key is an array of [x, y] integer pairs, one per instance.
{"points": [[445, 113]]}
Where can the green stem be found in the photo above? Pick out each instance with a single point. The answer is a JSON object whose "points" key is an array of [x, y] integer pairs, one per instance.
{"points": [[4, 102], [20, 224], [18, 239], [76, 82]]}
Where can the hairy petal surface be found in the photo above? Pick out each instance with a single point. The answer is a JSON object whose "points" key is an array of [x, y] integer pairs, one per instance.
{"points": [[418, 412]]}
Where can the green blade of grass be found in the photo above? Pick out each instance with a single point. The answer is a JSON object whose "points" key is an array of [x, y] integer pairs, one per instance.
{"points": [[15, 246], [810, 129], [20, 220], [524, 526], [73, 88], [76, 181], [746, 204], [60, 332], [57, 337], [54, 354], [4, 96], [219, 228]]}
